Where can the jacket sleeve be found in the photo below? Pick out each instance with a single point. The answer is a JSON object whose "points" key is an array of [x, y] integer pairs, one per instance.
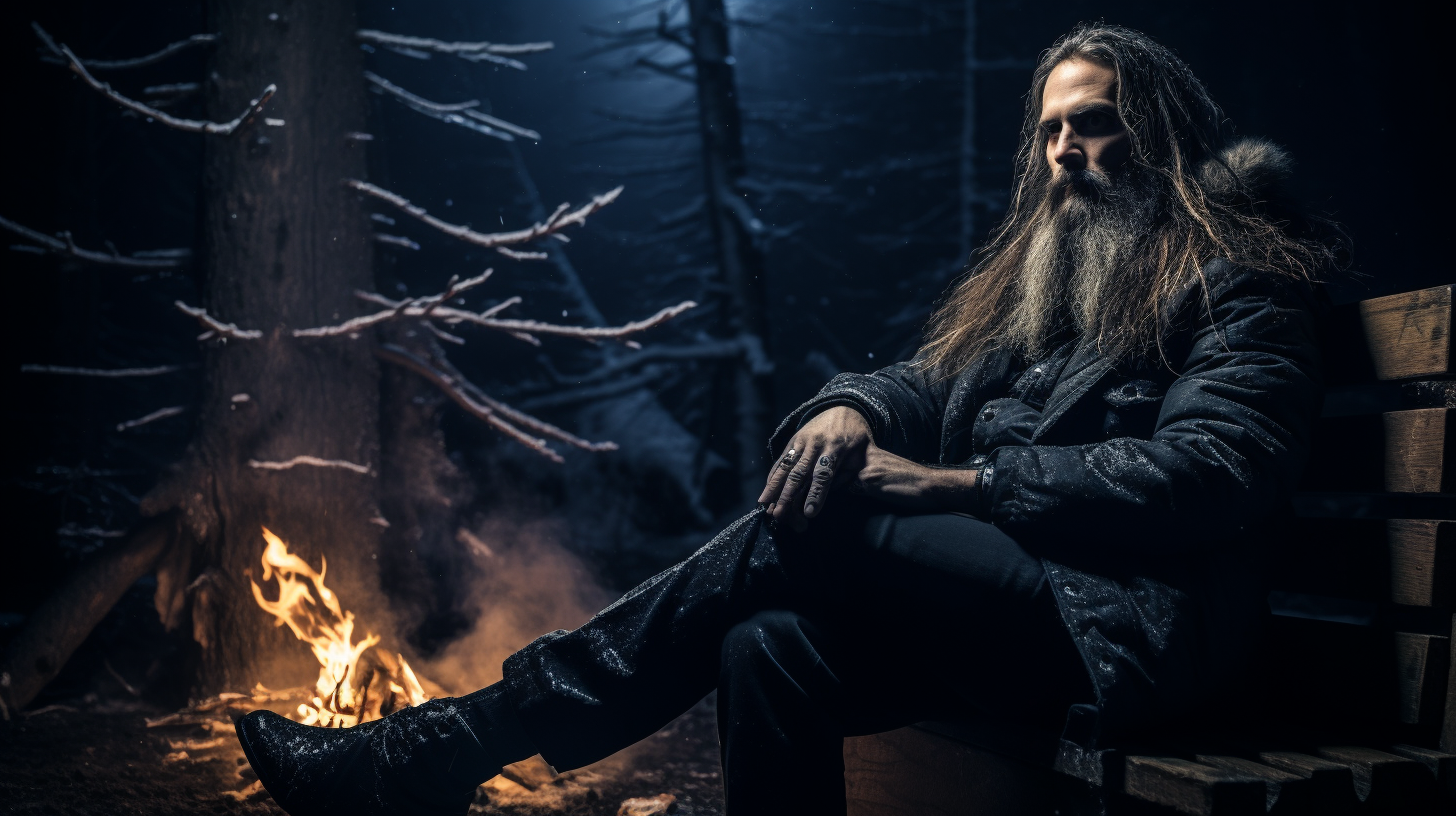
{"points": [[1230, 442], [902, 403]]}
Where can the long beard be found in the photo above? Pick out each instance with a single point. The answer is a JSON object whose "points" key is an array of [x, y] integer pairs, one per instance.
{"points": [[1079, 256]]}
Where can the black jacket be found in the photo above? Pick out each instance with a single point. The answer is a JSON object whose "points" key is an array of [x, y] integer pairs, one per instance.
{"points": [[1140, 484]]}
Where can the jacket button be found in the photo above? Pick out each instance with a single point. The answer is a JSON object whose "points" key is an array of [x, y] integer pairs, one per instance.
{"points": [[988, 415], [1129, 390]]}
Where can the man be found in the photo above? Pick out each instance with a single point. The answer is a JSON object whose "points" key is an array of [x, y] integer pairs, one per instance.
{"points": [[1048, 509]]}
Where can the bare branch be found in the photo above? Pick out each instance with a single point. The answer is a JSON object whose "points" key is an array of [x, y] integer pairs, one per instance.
{"points": [[450, 113], [137, 62], [522, 256], [558, 221], [101, 372], [160, 413], [310, 460], [449, 385], [216, 327], [580, 332], [473, 51], [385, 85], [395, 240], [498, 415], [174, 259], [255, 107]]}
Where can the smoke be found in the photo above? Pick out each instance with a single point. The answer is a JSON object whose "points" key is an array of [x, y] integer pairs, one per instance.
{"points": [[531, 585]]}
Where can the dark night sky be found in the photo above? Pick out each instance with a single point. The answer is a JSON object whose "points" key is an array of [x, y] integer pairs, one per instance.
{"points": [[836, 92]]}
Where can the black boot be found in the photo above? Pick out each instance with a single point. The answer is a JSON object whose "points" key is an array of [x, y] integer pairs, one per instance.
{"points": [[424, 760]]}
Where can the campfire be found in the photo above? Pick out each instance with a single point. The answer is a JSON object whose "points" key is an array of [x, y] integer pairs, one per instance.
{"points": [[356, 683]]}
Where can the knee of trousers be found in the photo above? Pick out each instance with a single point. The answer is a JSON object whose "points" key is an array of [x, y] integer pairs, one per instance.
{"points": [[770, 643]]}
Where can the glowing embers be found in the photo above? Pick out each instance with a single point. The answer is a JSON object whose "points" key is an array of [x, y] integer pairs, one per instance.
{"points": [[356, 683]]}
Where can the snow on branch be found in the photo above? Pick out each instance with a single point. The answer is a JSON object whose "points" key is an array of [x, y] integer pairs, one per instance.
{"points": [[494, 413], [451, 113], [254, 108], [150, 371], [432, 307], [496, 53], [215, 327], [160, 413], [312, 461], [558, 221], [64, 245], [194, 41]]}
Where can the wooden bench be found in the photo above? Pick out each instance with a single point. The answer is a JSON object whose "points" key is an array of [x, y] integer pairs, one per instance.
{"points": [[1352, 708]]}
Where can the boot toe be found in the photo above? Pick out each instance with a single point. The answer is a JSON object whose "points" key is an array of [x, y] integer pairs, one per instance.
{"points": [[308, 771]]}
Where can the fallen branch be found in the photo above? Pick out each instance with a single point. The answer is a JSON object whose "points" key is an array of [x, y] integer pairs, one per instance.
{"points": [[557, 221], [313, 461], [64, 245], [160, 413], [216, 328], [52, 633], [494, 413], [254, 108], [194, 41], [30, 368]]}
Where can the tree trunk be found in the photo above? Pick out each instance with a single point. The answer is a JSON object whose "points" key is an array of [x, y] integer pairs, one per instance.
{"points": [[285, 247], [743, 307]]}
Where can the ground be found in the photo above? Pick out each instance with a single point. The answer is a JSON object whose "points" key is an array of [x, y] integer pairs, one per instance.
{"points": [[100, 758]]}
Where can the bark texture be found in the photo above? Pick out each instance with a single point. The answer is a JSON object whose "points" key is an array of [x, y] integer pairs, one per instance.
{"points": [[285, 247], [743, 306]]}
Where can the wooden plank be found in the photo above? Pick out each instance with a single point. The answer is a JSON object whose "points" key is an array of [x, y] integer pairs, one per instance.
{"points": [[1422, 562], [1332, 785], [913, 772], [1441, 764], [1409, 335], [1421, 665], [1416, 450], [1285, 793], [1386, 782], [1192, 788]]}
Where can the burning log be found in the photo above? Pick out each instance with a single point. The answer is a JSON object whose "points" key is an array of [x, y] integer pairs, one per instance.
{"points": [[350, 689]]}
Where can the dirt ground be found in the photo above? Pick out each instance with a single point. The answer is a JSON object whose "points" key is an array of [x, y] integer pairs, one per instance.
{"points": [[101, 759]]}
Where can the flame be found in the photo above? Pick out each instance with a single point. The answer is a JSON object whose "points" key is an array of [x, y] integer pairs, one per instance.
{"points": [[343, 697]]}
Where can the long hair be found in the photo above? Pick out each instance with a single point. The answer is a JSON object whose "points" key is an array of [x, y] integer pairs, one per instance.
{"points": [[1176, 130]]}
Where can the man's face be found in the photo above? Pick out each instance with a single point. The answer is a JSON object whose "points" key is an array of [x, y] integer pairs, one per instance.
{"points": [[1080, 123]]}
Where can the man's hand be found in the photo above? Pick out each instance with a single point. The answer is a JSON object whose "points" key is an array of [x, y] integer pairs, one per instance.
{"points": [[827, 451]]}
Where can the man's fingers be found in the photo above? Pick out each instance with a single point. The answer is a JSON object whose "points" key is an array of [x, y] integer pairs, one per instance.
{"points": [[778, 474], [796, 479], [820, 483]]}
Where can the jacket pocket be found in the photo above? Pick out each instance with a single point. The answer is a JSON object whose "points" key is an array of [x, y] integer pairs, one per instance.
{"points": [[1132, 408]]}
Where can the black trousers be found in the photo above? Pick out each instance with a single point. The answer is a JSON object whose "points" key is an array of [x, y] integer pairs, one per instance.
{"points": [[867, 622]]}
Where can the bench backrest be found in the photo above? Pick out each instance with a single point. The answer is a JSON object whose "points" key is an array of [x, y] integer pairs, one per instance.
{"points": [[1365, 597]]}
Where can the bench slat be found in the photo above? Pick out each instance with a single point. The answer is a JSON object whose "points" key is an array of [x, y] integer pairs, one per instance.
{"points": [[1409, 335], [1386, 783], [1192, 788], [1285, 793], [1332, 784], [1439, 763], [1417, 452], [1421, 665], [1422, 562], [1448, 722]]}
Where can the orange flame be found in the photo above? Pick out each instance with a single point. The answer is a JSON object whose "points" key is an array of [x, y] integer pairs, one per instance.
{"points": [[314, 614]]}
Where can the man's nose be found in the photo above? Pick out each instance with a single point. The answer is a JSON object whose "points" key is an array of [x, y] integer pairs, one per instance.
{"points": [[1067, 151]]}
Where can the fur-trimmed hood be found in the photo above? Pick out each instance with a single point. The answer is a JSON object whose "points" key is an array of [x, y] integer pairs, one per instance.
{"points": [[1245, 170]]}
